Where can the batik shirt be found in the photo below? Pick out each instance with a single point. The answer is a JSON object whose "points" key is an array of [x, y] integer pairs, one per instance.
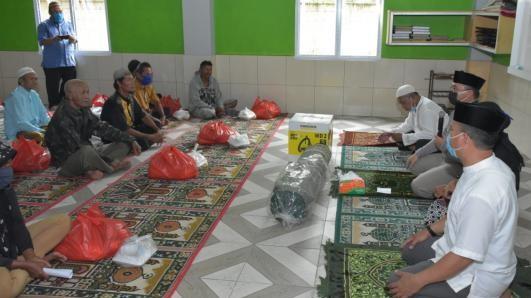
{"points": [[70, 128]]}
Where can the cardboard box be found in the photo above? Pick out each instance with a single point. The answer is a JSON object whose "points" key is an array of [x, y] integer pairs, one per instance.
{"points": [[309, 129]]}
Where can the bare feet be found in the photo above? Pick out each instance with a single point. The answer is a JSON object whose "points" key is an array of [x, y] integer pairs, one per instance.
{"points": [[95, 175], [121, 165]]}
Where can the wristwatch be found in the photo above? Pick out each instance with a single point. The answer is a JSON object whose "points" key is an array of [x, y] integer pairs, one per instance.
{"points": [[431, 231]]}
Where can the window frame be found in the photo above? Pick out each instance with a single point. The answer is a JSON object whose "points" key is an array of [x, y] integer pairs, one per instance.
{"points": [[337, 55], [37, 12], [521, 33]]}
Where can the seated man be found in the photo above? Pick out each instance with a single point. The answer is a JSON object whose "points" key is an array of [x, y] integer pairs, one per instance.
{"points": [[24, 112], [68, 137], [24, 249], [474, 255], [145, 94], [421, 123], [431, 163], [205, 95], [123, 112]]}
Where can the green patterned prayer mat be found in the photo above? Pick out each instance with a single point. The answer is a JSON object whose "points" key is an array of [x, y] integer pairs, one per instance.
{"points": [[354, 271], [378, 221], [180, 216], [38, 192], [388, 159]]}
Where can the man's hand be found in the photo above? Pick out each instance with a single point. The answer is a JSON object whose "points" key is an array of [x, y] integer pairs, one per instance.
{"points": [[397, 137], [55, 256], [416, 238], [440, 191], [156, 138], [406, 286], [439, 142], [445, 191], [220, 112], [384, 137], [135, 148], [411, 161], [37, 260], [72, 39], [33, 268]]}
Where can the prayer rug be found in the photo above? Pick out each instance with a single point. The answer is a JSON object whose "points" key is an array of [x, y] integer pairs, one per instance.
{"points": [[378, 221], [388, 159], [354, 271], [38, 192], [398, 184], [357, 138], [180, 216]]}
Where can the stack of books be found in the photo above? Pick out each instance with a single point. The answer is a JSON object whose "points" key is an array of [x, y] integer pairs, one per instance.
{"points": [[421, 33], [486, 36], [402, 32]]}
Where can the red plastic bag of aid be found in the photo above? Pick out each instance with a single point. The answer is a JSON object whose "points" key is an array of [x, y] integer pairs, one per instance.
{"points": [[265, 109], [31, 157], [215, 132], [171, 163], [99, 100], [93, 237], [170, 104]]}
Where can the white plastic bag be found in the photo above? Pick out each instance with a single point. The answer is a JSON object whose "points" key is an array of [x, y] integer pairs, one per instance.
{"points": [[199, 159], [239, 141], [181, 115], [96, 111], [135, 251], [246, 114]]}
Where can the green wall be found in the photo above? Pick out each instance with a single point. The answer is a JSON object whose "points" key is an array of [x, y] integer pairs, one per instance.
{"points": [[19, 32], [141, 26], [255, 27], [453, 27], [243, 27], [502, 59]]}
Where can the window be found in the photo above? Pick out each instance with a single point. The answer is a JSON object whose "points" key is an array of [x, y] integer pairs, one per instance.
{"points": [[339, 28], [521, 53], [89, 18]]}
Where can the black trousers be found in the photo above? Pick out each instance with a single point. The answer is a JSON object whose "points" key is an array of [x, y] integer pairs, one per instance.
{"points": [[55, 82]]}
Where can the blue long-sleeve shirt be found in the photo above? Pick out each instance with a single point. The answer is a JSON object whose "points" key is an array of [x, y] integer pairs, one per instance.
{"points": [[24, 111], [60, 53]]}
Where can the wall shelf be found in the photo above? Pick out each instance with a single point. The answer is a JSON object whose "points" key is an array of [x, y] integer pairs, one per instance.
{"points": [[489, 20]]}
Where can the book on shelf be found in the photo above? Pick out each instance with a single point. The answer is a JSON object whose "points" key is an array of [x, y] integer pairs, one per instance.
{"points": [[421, 27]]}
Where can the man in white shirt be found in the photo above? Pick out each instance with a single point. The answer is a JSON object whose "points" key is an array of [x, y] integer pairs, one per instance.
{"points": [[475, 256], [431, 163], [421, 123]]}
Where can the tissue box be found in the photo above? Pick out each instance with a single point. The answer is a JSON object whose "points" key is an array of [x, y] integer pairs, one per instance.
{"points": [[309, 129]]}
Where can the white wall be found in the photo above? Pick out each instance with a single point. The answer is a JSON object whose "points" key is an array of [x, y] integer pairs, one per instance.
{"points": [[336, 87], [513, 94]]}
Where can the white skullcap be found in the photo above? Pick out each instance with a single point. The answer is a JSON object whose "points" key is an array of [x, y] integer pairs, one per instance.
{"points": [[24, 71], [405, 90]]}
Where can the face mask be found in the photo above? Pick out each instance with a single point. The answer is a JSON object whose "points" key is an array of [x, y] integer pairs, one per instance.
{"points": [[58, 17], [451, 150], [6, 176], [147, 79], [414, 109], [452, 97]]}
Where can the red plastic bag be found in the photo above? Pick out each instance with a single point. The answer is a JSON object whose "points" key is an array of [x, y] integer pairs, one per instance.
{"points": [[215, 132], [173, 105], [171, 163], [93, 237], [265, 109], [31, 157], [99, 100]]}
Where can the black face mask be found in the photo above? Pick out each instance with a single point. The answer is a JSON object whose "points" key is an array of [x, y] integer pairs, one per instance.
{"points": [[452, 97]]}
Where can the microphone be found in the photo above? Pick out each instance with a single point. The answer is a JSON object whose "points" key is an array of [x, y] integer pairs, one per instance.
{"points": [[441, 123]]}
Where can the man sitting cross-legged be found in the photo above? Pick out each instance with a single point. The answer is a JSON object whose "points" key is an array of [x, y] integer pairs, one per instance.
{"points": [[69, 132]]}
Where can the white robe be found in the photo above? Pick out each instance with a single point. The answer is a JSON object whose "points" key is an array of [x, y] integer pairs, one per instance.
{"points": [[423, 122], [481, 225]]}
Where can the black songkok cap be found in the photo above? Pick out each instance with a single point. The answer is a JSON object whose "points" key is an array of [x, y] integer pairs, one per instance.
{"points": [[468, 79], [486, 116]]}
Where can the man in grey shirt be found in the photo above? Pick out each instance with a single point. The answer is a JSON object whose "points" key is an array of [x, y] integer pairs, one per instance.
{"points": [[205, 95], [431, 163]]}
